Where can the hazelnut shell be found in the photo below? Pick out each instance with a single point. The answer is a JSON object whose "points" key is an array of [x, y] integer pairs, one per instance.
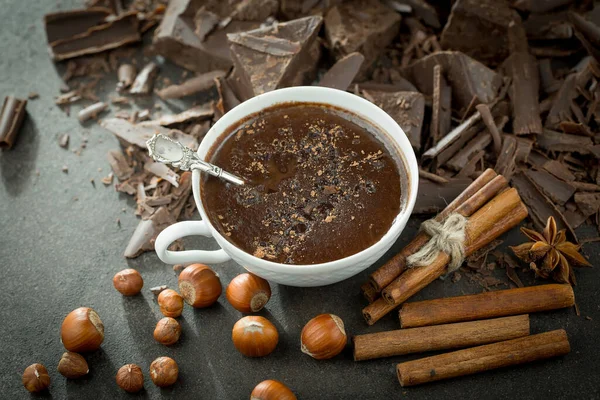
{"points": [[199, 285], [170, 303], [272, 390], [128, 282], [167, 331], [35, 378], [130, 378], [82, 330], [248, 293], [323, 337], [164, 371], [254, 336], [72, 365]]}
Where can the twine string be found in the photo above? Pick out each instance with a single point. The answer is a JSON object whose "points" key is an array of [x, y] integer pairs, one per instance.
{"points": [[447, 236]]}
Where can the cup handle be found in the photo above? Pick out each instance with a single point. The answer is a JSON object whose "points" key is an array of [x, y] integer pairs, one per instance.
{"points": [[182, 229]]}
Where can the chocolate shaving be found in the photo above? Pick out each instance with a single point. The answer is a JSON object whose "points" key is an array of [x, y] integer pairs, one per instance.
{"points": [[191, 86], [138, 134], [192, 115], [227, 98], [91, 111], [525, 86], [441, 114], [343, 72], [556, 141], [477, 144], [540, 6], [80, 32], [505, 163], [119, 165], [265, 44], [146, 232], [145, 79], [588, 203], [11, 118], [432, 177], [585, 187], [559, 170], [539, 206], [126, 75], [206, 22]]}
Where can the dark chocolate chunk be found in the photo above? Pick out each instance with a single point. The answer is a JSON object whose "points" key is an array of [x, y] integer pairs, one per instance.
{"points": [[194, 85], [343, 72], [407, 109], [539, 206], [144, 81], [270, 58], [557, 190], [525, 86], [146, 232], [399, 86], [424, 11], [588, 203], [227, 97], [477, 144], [478, 28], [548, 26], [177, 40], [80, 32], [434, 197], [364, 26], [11, 117], [588, 34], [467, 78]]}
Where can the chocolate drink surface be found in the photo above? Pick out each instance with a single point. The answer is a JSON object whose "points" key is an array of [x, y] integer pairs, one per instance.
{"points": [[319, 185]]}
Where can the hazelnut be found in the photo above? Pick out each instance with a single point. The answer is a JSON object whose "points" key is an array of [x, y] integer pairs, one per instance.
{"points": [[272, 390], [248, 293], [199, 285], [35, 378], [323, 337], [72, 365], [170, 303], [130, 378], [167, 331], [128, 282], [164, 371], [82, 330], [254, 336]]}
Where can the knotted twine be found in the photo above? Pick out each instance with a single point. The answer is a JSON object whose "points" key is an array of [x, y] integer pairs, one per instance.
{"points": [[447, 236]]}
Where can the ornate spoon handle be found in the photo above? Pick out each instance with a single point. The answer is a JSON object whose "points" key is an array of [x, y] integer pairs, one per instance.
{"points": [[168, 151]]}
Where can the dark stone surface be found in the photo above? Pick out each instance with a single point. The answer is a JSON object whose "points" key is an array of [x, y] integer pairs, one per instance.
{"points": [[58, 253]]}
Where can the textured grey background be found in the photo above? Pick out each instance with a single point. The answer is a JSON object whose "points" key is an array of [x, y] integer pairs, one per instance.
{"points": [[60, 246]]}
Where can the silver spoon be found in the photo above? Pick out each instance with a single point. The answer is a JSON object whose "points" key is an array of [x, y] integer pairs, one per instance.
{"points": [[168, 151]]}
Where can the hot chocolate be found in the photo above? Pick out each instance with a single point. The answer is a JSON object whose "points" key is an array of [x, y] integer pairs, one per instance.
{"points": [[321, 184]]}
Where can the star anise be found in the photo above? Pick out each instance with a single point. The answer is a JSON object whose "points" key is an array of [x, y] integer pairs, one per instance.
{"points": [[550, 254]]}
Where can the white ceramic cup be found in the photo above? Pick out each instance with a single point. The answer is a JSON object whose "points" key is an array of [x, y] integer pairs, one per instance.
{"points": [[294, 275]]}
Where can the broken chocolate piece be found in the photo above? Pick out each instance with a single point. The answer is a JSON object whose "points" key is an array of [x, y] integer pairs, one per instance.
{"points": [[461, 158], [548, 26], [432, 177], [79, 32], [91, 111], [194, 114], [406, 108], [585, 187], [441, 114], [524, 147], [398, 86], [588, 203], [194, 85], [556, 141], [423, 11], [269, 58], [525, 85], [119, 165], [343, 72], [490, 124], [467, 78], [559, 170], [138, 134], [227, 98], [434, 197], [126, 75], [588, 34], [539, 206], [162, 171], [363, 26], [146, 232], [557, 190], [176, 37], [144, 80], [478, 28], [11, 118], [206, 21]]}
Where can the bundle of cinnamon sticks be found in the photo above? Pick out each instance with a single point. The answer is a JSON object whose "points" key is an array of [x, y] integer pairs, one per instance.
{"points": [[491, 208]]}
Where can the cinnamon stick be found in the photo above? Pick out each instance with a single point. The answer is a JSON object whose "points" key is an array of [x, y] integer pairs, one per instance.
{"points": [[498, 303], [484, 358], [482, 221], [12, 114], [441, 337], [380, 307], [394, 267], [369, 293]]}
